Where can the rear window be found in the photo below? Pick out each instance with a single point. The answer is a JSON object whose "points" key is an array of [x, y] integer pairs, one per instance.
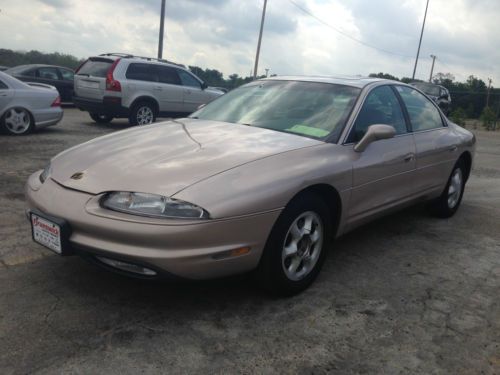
{"points": [[3, 86], [95, 67]]}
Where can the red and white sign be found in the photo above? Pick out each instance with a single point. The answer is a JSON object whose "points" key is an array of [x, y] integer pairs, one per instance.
{"points": [[46, 233]]}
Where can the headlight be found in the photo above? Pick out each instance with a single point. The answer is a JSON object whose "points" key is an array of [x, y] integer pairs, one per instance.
{"points": [[152, 205], [45, 174]]}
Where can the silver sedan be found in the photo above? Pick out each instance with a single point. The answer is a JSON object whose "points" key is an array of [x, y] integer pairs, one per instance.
{"points": [[25, 107]]}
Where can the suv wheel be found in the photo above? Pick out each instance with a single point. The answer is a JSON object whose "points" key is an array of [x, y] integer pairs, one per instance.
{"points": [[143, 113], [101, 119]]}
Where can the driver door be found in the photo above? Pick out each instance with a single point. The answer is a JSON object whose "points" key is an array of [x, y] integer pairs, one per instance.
{"points": [[383, 173]]}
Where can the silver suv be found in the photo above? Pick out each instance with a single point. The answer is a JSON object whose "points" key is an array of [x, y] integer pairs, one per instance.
{"points": [[138, 88]]}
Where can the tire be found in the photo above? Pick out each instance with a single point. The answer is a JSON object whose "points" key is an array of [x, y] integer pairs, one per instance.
{"points": [[101, 119], [447, 204], [17, 121], [143, 113], [310, 253]]}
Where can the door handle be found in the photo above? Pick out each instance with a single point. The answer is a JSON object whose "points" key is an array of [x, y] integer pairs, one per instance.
{"points": [[3, 94], [453, 148], [158, 88], [409, 158]]}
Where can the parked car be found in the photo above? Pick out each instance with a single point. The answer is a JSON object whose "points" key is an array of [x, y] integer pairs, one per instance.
{"points": [[438, 93], [2, 68], [25, 107], [59, 77], [261, 179], [138, 88]]}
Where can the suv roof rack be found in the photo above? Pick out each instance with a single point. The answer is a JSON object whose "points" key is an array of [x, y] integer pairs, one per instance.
{"points": [[129, 56]]}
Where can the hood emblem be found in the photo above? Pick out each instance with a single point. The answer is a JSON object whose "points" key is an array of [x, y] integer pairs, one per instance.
{"points": [[77, 176]]}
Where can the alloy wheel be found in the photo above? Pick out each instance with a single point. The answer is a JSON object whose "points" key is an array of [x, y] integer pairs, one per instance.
{"points": [[455, 188], [302, 245], [17, 120], [145, 116]]}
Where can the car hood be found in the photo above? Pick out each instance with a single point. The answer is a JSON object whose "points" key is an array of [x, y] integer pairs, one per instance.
{"points": [[167, 157]]}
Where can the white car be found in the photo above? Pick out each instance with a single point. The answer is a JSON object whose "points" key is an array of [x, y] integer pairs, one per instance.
{"points": [[138, 88], [25, 107]]}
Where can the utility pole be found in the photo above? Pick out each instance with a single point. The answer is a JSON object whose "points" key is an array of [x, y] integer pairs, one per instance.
{"points": [[432, 68], [162, 25], [488, 95], [260, 40], [420, 41]]}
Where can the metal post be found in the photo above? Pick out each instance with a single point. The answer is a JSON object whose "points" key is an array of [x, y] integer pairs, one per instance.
{"points": [[420, 41], [432, 68], [260, 40], [162, 25], [488, 95]]}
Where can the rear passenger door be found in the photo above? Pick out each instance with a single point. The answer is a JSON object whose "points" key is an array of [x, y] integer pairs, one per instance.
{"points": [[383, 174], [194, 95], [66, 84], [169, 89], [436, 150]]}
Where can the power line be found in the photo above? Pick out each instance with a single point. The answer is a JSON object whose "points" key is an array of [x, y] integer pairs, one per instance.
{"points": [[344, 33]]}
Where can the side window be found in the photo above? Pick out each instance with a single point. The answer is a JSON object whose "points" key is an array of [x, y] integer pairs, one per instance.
{"points": [[423, 114], [48, 73], [188, 80], [29, 73], [381, 106], [67, 75], [142, 72], [168, 75], [3, 86]]}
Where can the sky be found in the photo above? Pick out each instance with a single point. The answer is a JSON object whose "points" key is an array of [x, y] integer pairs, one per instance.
{"points": [[301, 37]]}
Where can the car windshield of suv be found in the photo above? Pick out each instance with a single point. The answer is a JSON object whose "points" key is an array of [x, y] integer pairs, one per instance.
{"points": [[428, 89], [310, 109]]}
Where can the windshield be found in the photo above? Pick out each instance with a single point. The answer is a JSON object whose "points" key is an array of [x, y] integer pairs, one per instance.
{"points": [[310, 109], [428, 89]]}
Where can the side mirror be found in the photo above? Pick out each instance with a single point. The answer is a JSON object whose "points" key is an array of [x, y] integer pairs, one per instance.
{"points": [[375, 133], [203, 85]]}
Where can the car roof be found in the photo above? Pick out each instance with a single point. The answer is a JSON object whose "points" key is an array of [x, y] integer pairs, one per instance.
{"points": [[139, 59], [27, 66], [355, 81]]}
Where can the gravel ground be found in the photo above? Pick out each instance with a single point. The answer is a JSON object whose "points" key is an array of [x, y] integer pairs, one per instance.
{"points": [[408, 294]]}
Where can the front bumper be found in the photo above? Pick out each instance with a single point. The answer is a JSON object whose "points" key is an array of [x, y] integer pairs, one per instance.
{"points": [[109, 105], [190, 250]]}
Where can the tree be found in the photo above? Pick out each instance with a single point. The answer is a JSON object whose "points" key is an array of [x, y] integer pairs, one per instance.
{"points": [[383, 75], [489, 119], [458, 116]]}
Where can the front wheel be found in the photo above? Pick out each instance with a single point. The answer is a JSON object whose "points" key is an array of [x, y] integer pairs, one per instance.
{"points": [[447, 204], [17, 121], [143, 113], [100, 118], [296, 248]]}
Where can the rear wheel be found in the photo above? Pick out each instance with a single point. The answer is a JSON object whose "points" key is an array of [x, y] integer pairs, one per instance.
{"points": [[143, 113], [100, 118], [296, 248], [17, 121], [449, 201]]}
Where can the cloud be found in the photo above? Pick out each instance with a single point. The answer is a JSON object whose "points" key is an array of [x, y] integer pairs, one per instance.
{"points": [[222, 34]]}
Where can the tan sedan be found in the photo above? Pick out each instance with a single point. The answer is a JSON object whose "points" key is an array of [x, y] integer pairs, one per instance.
{"points": [[262, 179]]}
